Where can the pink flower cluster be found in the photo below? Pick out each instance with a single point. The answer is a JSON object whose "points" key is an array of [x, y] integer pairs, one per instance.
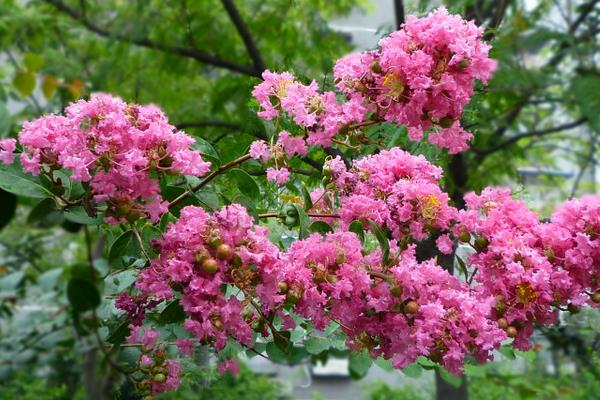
{"points": [[512, 263], [410, 310], [393, 189], [202, 253], [422, 76], [160, 374], [114, 147], [572, 242]]}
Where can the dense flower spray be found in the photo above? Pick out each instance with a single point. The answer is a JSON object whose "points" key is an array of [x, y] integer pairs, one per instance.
{"points": [[114, 148]]}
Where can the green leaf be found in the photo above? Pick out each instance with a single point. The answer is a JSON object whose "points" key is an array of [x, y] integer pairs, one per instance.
{"points": [[359, 364], [304, 221], [172, 313], [316, 345], [33, 62], [473, 370], [357, 228], [383, 241], [80, 216], [206, 149], [308, 204], [11, 281], [5, 121], [45, 215], [245, 183], [82, 294], [274, 353], [320, 227], [413, 370], [24, 83], [282, 341], [118, 334], [14, 180], [585, 89], [384, 364], [507, 351], [8, 204], [449, 378], [122, 246]]}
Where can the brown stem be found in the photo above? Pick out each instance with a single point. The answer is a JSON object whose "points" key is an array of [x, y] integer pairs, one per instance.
{"points": [[210, 177], [275, 214]]}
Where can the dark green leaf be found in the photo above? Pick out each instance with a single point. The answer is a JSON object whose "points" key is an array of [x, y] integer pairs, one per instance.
{"points": [[308, 204], [172, 313], [14, 180], [320, 227], [304, 221], [383, 241], [123, 246], [245, 183], [118, 334], [206, 149], [45, 214], [359, 364], [357, 228], [8, 204], [82, 294], [413, 370], [282, 341]]}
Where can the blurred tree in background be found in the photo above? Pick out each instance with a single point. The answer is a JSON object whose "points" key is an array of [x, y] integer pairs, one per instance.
{"points": [[198, 60]]}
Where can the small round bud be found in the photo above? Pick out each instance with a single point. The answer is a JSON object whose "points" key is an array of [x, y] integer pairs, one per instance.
{"points": [[464, 237], [511, 331], [573, 309], [283, 287], [376, 67], [463, 64], [214, 241], [332, 278], [481, 244], [210, 266], [446, 122], [159, 378], [596, 298], [223, 252], [396, 291], [502, 323], [412, 307]]}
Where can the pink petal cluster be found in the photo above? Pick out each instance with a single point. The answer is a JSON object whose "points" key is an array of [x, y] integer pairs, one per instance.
{"points": [[7, 150], [202, 253], [572, 240], [394, 189], [416, 309], [422, 76], [512, 264], [114, 146]]}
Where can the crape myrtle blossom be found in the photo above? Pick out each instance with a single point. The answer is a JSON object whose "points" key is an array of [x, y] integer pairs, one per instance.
{"points": [[422, 76], [512, 263], [572, 242], [113, 147], [393, 189], [7, 150]]}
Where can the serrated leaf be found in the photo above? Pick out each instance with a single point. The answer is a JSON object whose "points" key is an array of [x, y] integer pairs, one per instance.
{"points": [[82, 294], [24, 83], [245, 183]]}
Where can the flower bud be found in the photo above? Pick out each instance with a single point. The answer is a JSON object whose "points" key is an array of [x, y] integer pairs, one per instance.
{"points": [[159, 378], [502, 323], [481, 244], [223, 252], [214, 240], [210, 266], [573, 309], [463, 64], [396, 291], [376, 67], [412, 307], [464, 237], [446, 122], [511, 331], [283, 287], [596, 297]]}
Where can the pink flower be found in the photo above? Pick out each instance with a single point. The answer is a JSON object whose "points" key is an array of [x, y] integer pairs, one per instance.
{"points": [[185, 346], [278, 175], [7, 149], [292, 145], [259, 150], [230, 366]]}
